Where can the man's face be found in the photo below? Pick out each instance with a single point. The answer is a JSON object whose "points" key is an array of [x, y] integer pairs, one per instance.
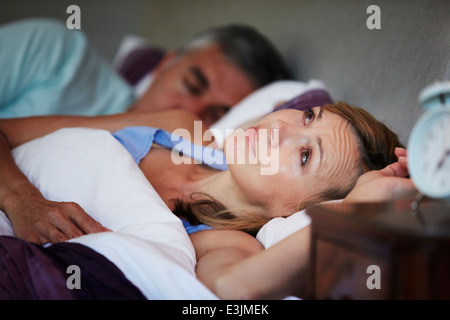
{"points": [[201, 81]]}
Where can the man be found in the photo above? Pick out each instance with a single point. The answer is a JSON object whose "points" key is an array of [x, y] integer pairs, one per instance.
{"points": [[52, 70]]}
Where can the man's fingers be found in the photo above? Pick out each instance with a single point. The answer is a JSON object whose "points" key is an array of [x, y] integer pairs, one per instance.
{"points": [[84, 221], [47, 232], [55, 235], [40, 221], [59, 220], [69, 221]]}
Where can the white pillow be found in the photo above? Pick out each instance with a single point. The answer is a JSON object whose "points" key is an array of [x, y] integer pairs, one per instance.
{"points": [[278, 229], [260, 103], [91, 168]]}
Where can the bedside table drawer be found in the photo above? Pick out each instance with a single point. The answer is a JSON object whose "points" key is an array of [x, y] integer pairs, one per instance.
{"points": [[341, 272], [379, 251]]}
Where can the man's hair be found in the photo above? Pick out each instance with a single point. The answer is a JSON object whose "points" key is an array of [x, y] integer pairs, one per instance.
{"points": [[246, 48]]}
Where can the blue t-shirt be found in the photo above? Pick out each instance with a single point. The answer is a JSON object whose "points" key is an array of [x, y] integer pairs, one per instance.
{"points": [[139, 140], [48, 69], [192, 229]]}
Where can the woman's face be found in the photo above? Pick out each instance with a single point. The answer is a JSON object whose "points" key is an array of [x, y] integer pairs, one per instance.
{"points": [[290, 156]]}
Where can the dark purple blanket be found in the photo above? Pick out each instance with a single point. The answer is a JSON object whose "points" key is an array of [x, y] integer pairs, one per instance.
{"points": [[29, 271]]}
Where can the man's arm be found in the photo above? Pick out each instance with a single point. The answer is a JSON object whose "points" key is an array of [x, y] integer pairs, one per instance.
{"points": [[32, 216], [21, 130]]}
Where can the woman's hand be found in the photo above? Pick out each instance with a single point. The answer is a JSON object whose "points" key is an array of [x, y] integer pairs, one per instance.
{"points": [[38, 220], [390, 183]]}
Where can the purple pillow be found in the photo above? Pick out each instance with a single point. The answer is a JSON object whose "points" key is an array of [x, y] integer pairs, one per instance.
{"points": [[139, 62], [307, 100]]}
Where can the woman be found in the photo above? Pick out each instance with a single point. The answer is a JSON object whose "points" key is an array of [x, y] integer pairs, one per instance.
{"points": [[322, 152]]}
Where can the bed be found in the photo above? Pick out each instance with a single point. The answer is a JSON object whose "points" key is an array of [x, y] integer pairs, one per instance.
{"points": [[149, 243], [89, 167]]}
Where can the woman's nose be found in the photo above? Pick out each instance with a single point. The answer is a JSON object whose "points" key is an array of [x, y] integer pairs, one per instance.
{"points": [[279, 132], [284, 131]]}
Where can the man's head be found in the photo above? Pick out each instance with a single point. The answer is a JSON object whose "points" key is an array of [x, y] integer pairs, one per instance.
{"points": [[214, 70]]}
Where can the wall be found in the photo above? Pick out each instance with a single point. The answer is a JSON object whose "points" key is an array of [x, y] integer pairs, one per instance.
{"points": [[380, 70], [104, 21]]}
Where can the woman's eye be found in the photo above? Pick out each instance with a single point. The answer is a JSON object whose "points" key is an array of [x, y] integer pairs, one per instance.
{"points": [[305, 154], [308, 117]]}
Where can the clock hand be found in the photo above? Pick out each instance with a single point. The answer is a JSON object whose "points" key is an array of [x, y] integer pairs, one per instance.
{"points": [[446, 145], [447, 134], [442, 160]]}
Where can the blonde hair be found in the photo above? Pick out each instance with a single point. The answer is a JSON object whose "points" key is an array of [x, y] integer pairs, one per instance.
{"points": [[203, 208]]}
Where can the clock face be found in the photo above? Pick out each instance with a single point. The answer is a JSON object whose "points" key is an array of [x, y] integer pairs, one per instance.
{"points": [[429, 153]]}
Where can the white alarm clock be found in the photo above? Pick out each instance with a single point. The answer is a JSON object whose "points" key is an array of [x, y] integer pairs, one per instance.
{"points": [[429, 143]]}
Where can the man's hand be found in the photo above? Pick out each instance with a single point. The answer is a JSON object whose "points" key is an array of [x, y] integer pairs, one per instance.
{"points": [[389, 183], [34, 218], [40, 221]]}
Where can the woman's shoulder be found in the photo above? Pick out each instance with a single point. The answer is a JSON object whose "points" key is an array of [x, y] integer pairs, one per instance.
{"points": [[208, 240]]}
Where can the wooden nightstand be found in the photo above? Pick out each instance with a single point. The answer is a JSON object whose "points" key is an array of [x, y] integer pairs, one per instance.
{"points": [[410, 251]]}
